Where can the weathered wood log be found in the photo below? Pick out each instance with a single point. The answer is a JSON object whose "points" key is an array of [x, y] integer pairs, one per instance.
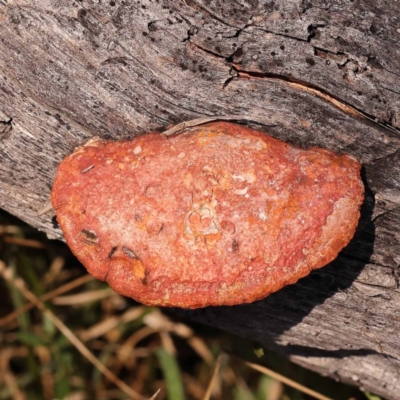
{"points": [[311, 73]]}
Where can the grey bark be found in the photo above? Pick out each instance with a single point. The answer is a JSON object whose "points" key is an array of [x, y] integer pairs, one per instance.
{"points": [[314, 73]]}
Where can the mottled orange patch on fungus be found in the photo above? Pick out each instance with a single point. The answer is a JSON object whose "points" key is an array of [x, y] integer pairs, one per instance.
{"points": [[218, 215]]}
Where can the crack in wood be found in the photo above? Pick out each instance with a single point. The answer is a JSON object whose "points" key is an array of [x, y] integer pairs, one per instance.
{"points": [[312, 31], [376, 285], [206, 50], [301, 85], [306, 87], [299, 39], [208, 13], [390, 90], [384, 214], [385, 156], [5, 128]]}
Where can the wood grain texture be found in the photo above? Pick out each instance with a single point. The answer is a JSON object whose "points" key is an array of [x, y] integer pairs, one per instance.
{"points": [[312, 73]]}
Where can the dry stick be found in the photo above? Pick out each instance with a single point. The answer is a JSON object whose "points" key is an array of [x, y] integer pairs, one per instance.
{"points": [[210, 386], [62, 289], [82, 298], [45, 209], [35, 244], [155, 395], [200, 121], [19, 284], [287, 381]]}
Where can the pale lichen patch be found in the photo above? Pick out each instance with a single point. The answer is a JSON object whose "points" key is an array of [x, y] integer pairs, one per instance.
{"points": [[241, 192], [263, 216], [137, 150]]}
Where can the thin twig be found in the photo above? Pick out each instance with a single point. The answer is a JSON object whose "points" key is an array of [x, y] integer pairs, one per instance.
{"points": [[34, 244], [45, 209], [82, 298], [200, 121], [214, 375], [287, 381], [155, 395]]}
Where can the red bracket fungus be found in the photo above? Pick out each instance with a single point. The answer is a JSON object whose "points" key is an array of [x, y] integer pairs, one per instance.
{"points": [[217, 215]]}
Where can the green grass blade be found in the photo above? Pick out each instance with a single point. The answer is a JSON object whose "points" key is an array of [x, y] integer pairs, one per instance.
{"points": [[241, 392], [172, 375], [371, 396]]}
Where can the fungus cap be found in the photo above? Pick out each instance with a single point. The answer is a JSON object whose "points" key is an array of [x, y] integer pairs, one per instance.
{"points": [[218, 215]]}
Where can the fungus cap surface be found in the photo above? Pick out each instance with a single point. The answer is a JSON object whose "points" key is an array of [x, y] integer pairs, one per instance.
{"points": [[219, 215]]}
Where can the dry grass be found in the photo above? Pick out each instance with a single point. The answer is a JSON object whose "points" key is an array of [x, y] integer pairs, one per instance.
{"points": [[64, 335]]}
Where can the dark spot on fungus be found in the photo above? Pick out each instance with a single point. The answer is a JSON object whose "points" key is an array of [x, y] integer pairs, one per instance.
{"points": [[235, 245], [112, 251], [89, 237], [128, 252]]}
